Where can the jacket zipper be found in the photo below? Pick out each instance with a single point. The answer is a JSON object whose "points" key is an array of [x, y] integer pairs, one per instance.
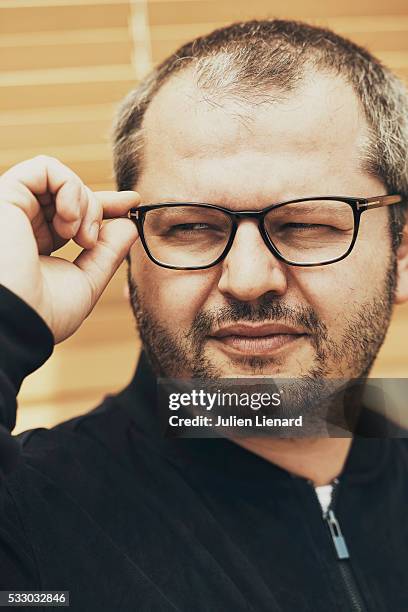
{"points": [[342, 553]]}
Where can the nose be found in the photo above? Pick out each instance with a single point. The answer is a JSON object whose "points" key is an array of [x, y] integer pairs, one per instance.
{"points": [[250, 270]]}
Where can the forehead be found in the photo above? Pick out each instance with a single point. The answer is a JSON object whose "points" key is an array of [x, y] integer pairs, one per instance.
{"points": [[194, 136]]}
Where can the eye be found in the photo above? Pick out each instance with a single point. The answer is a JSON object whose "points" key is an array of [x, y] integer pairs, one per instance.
{"points": [[304, 225], [190, 227]]}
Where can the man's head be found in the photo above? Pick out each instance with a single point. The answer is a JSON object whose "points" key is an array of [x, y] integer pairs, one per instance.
{"points": [[250, 115]]}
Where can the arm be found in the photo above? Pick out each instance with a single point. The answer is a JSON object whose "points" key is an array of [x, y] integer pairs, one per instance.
{"points": [[26, 342], [43, 300]]}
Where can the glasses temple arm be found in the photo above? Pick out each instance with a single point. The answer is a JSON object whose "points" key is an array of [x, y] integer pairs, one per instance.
{"points": [[379, 201]]}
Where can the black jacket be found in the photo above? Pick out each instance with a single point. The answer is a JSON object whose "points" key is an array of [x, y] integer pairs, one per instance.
{"points": [[126, 520]]}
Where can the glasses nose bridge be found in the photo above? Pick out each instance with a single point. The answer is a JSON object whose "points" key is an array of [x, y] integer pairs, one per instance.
{"points": [[256, 215], [251, 214]]}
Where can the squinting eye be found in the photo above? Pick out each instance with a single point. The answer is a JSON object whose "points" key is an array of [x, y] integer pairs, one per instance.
{"points": [[304, 225], [308, 226], [190, 226]]}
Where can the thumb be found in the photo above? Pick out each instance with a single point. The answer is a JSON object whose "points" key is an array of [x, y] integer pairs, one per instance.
{"points": [[101, 262]]}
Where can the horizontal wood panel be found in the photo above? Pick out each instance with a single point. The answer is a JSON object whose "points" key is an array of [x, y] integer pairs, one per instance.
{"points": [[366, 23], [107, 186], [54, 115], [66, 75], [54, 135], [178, 12], [51, 16], [92, 162], [92, 171], [392, 360], [65, 37], [166, 39], [80, 53], [50, 129], [343, 25], [378, 42], [22, 96]]}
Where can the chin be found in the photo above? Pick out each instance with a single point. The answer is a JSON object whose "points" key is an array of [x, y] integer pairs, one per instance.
{"points": [[253, 366]]}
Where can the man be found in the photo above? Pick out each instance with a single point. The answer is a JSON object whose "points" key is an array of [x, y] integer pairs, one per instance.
{"points": [[273, 116]]}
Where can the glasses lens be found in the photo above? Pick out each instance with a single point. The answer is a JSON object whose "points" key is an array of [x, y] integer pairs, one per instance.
{"points": [[311, 232], [186, 236]]}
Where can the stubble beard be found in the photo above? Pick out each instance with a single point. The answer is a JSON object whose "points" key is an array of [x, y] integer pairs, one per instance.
{"points": [[172, 354]]}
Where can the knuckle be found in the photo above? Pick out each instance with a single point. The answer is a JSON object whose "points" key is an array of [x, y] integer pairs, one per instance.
{"points": [[47, 158], [43, 159], [51, 163], [92, 202]]}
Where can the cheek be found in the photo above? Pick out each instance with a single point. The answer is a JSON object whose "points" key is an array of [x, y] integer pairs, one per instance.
{"points": [[173, 296], [337, 291], [330, 291]]}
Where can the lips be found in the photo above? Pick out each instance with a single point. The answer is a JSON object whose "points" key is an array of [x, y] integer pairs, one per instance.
{"points": [[257, 339], [256, 331]]}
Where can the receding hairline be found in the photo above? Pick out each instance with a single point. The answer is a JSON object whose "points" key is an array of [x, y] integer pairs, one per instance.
{"points": [[269, 47], [244, 101]]}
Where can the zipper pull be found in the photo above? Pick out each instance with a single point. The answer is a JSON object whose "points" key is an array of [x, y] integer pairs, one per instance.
{"points": [[337, 536]]}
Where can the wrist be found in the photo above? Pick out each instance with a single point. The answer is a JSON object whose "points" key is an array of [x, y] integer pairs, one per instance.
{"points": [[26, 341]]}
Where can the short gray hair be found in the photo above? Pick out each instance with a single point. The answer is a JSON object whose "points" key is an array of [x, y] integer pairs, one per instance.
{"points": [[246, 59]]}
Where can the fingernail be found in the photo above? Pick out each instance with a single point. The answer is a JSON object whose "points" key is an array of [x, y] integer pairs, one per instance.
{"points": [[134, 194], [94, 230]]}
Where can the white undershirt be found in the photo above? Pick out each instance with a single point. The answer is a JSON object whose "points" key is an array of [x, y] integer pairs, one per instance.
{"points": [[324, 495]]}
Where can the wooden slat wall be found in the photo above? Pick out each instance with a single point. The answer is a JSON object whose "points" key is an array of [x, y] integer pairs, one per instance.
{"points": [[64, 66]]}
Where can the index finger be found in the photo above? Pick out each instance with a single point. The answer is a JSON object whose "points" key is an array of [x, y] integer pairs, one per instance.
{"points": [[117, 203]]}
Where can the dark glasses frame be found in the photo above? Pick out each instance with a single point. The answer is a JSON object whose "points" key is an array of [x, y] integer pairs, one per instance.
{"points": [[358, 206]]}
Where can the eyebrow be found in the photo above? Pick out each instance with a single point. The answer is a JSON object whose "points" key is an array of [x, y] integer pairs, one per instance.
{"points": [[171, 200], [247, 205], [211, 201]]}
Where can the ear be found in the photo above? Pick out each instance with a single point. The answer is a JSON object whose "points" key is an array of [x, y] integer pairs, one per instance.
{"points": [[401, 292]]}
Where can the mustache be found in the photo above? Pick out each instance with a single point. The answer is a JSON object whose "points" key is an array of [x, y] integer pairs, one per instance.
{"points": [[265, 311]]}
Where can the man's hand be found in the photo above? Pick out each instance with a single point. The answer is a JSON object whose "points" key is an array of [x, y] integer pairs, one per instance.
{"points": [[44, 204]]}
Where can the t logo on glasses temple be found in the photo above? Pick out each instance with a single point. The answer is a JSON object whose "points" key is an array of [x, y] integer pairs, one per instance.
{"points": [[379, 202]]}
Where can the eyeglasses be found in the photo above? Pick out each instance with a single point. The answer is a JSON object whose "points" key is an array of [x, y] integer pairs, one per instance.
{"points": [[305, 232]]}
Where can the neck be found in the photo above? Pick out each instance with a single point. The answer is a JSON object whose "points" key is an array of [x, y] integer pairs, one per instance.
{"points": [[317, 459]]}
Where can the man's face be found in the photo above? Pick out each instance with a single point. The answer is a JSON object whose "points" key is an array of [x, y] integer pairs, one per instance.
{"points": [[222, 151]]}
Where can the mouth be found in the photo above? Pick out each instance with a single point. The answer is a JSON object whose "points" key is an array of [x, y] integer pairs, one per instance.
{"points": [[256, 340]]}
